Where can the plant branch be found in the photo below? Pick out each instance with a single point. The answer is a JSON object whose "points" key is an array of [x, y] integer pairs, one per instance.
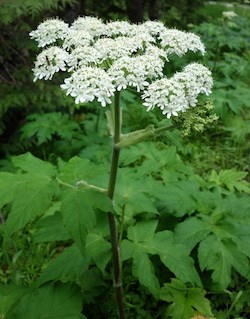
{"points": [[111, 217]]}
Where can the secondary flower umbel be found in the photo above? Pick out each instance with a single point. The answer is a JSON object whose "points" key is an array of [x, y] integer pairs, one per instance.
{"points": [[100, 58]]}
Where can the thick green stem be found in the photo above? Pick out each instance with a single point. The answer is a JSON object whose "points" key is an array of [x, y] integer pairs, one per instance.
{"points": [[111, 218]]}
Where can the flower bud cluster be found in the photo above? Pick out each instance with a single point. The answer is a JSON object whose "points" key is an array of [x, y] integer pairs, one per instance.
{"points": [[100, 58]]}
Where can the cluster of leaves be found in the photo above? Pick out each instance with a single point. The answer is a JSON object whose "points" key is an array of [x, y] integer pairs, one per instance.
{"points": [[157, 195]]}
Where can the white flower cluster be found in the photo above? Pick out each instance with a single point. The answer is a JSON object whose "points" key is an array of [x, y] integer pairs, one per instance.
{"points": [[179, 92], [179, 42], [229, 14], [49, 62], [101, 58], [49, 31], [88, 83]]}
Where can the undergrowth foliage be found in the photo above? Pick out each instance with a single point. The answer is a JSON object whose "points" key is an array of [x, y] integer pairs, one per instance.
{"points": [[154, 191]]}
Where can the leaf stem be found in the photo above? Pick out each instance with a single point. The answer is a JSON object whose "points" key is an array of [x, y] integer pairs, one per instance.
{"points": [[111, 217]]}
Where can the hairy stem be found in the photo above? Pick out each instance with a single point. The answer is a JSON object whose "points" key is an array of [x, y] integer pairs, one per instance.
{"points": [[111, 217]]}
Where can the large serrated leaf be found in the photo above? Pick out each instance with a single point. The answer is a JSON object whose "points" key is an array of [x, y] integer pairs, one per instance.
{"points": [[98, 249], [176, 257], [134, 194], [67, 267], [220, 256], [82, 169], [191, 231], [50, 301], [51, 228], [143, 239], [143, 269], [78, 211], [185, 302], [31, 164], [32, 197], [231, 179], [8, 185], [9, 296]]}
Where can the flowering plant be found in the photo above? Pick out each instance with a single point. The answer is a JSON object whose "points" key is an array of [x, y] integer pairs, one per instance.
{"points": [[101, 59]]}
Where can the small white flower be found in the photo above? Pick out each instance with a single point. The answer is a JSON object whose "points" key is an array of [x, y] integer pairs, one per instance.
{"points": [[88, 83], [49, 62], [49, 31]]}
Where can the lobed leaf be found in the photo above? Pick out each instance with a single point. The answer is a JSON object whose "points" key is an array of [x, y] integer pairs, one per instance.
{"points": [[67, 267], [185, 302], [33, 195]]}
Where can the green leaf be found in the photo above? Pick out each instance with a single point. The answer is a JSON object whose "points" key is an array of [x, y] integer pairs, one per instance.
{"points": [[192, 231], [220, 256], [67, 267], [50, 228], [143, 269], [44, 126], [31, 164], [98, 249], [231, 179], [9, 296], [185, 302], [33, 195], [133, 193], [78, 211], [50, 301], [8, 185], [82, 169], [142, 239], [176, 257], [178, 197]]}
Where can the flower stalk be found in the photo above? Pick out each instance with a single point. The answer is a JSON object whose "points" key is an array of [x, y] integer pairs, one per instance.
{"points": [[117, 268]]}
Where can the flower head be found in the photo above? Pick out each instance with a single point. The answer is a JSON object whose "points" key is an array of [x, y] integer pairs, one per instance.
{"points": [[101, 58], [88, 83], [179, 92], [179, 42], [49, 31], [49, 62], [92, 25]]}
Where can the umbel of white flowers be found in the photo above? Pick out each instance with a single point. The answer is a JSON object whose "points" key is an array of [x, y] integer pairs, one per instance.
{"points": [[101, 58]]}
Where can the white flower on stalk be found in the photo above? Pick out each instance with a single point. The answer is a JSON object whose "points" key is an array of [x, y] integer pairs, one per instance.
{"points": [[49, 32], [88, 83], [179, 92], [180, 42], [49, 62]]}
